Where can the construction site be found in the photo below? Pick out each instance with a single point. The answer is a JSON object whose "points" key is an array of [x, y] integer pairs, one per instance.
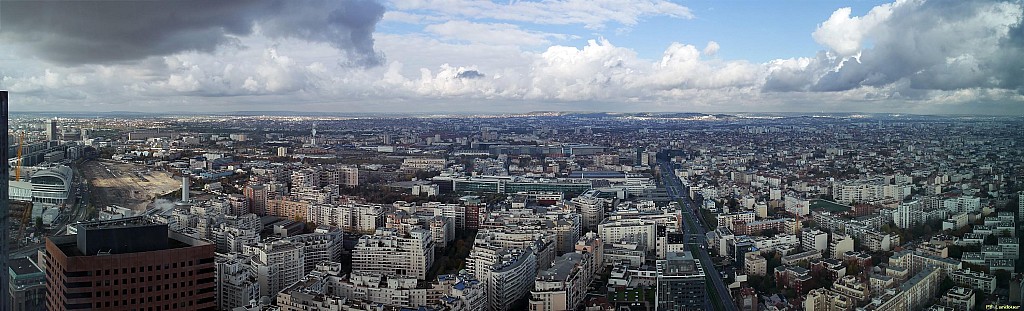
{"points": [[128, 185]]}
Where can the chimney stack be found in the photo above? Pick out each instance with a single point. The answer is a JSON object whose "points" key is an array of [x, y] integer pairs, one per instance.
{"points": [[185, 184]]}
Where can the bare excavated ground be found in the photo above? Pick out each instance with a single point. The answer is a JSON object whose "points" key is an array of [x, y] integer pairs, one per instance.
{"points": [[128, 185]]}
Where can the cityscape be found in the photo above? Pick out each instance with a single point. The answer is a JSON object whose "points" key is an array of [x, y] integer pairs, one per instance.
{"points": [[537, 211], [436, 155]]}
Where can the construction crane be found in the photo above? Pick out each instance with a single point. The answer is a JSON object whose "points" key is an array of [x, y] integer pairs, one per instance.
{"points": [[26, 215]]}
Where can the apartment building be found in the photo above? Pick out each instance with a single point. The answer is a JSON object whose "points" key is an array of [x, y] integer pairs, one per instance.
{"points": [[638, 230], [563, 286], [389, 252]]}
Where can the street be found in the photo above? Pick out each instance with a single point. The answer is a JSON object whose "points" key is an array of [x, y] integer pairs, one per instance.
{"points": [[720, 298]]}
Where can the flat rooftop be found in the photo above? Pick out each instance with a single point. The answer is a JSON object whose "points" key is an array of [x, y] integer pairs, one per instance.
{"points": [[23, 266], [68, 244]]}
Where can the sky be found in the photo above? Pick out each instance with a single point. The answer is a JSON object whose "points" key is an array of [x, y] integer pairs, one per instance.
{"points": [[442, 56]]}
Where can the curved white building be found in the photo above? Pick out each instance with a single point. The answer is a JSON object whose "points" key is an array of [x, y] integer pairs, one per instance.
{"points": [[511, 278], [47, 185]]}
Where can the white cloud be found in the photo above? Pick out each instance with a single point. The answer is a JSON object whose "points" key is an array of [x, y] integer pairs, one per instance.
{"points": [[908, 56], [418, 51], [599, 70], [711, 49], [410, 18], [845, 34], [491, 33], [924, 45], [594, 14]]}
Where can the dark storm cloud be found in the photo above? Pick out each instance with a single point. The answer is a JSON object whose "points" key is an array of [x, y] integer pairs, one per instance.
{"points": [[469, 74], [1011, 58], [83, 32], [936, 45]]}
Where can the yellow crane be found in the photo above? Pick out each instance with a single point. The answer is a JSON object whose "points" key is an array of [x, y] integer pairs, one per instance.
{"points": [[26, 215]]}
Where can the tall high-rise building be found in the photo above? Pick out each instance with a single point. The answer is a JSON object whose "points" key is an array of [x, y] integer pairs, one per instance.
{"points": [[4, 198], [129, 264], [257, 196], [51, 129], [680, 282], [1020, 209]]}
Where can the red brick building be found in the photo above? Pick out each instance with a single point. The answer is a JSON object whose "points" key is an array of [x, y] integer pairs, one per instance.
{"points": [[129, 264], [793, 277], [473, 216], [746, 299]]}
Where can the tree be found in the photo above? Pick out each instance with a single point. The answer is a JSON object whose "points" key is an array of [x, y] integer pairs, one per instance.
{"points": [[1002, 278], [955, 251], [854, 269], [762, 284], [789, 293], [886, 228], [774, 260], [991, 239], [946, 284], [39, 224], [733, 203], [425, 175]]}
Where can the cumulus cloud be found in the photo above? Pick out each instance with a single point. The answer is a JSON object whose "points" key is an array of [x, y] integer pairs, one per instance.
{"points": [[598, 71], [681, 67], [845, 34], [711, 49], [913, 56], [452, 81], [917, 45], [470, 74], [591, 14], [83, 32]]}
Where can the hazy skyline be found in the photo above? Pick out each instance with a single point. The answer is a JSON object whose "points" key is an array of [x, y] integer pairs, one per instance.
{"points": [[514, 56]]}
